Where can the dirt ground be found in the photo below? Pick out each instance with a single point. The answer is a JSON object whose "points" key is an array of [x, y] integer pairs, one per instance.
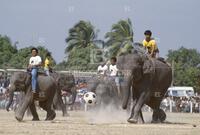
{"points": [[80, 123]]}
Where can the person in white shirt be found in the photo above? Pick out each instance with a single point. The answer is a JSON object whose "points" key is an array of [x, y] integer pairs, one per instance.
{"points": [[102, 69], [113, 67], [114, 72], [34, 63]]}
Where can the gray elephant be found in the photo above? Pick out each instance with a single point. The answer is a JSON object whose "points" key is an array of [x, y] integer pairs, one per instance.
{"points": [[105, 89], [65, 82], [148, 79], [21, 81]]}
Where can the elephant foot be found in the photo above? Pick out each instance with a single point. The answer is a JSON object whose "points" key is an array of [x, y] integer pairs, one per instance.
{"points": [[51, 116], [132, 120], [162, 115], [35, 119], [159, 116], [19, 118], [7, 109]]}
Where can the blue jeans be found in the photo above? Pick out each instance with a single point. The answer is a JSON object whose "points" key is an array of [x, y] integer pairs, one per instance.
{"points": [[34, 78]]}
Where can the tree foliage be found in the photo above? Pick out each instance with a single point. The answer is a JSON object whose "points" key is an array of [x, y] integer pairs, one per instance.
{"points": [[184, 63], [80, 36], [80, 44], [11, 57], [120, 38], [6, 50]]}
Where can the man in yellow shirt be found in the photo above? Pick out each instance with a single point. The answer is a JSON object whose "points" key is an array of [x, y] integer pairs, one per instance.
{"points": [[150, 44], [47, 64]]}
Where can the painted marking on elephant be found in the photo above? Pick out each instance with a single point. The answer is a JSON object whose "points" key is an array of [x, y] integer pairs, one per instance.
{"points": [[157, 94]]}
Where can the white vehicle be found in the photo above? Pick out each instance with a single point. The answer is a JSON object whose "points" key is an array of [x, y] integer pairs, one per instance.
{"points": [[180, 91]]}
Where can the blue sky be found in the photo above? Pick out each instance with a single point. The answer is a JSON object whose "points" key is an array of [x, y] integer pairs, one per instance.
{"points": [[174, 23]]}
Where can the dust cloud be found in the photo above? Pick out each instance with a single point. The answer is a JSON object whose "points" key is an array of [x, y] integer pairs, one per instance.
{"points": [[108, 113]]}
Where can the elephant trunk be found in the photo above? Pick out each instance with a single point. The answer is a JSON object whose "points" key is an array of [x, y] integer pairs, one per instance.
{"points": [[73, 91], [11, 95], [126, 92]]}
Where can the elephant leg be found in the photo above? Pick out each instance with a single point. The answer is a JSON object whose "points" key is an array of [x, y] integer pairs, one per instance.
{"points": [[158, 116], [119, 91], [63, 106], [19, 114], [155, 116], [133, 103], [50, 112], [162, 115], [33, 111], [43, 105], [28, 112], [137, 108], [141, 119]]}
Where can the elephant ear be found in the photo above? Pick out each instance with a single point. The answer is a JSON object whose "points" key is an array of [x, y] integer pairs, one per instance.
{"points": [[148, 67]]}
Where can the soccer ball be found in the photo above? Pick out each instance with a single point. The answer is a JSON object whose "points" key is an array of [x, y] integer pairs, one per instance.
{"points": [[90, 98]]}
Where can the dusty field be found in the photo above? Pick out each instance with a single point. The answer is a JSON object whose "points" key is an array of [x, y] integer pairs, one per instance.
{"points": [[81, 123]]}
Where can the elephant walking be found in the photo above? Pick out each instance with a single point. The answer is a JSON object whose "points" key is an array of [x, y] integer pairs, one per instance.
{"points": [[21, 81], [65, 82], [105, 89], [148, 79]]}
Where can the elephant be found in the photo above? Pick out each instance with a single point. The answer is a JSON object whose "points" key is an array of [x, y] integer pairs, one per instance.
{"points": [[148, 79], [105, 89], [21, 81], [65, 82]]}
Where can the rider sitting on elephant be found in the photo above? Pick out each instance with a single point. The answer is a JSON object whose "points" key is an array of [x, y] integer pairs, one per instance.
{"points": [[34, 63], [47, 64], [150, 45]]}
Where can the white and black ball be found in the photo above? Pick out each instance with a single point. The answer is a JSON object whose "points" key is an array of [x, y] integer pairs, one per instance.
{"points": [[90, 98]]}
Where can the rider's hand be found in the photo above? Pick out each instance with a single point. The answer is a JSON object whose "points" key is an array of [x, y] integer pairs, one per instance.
{"points": [[29, 66]]}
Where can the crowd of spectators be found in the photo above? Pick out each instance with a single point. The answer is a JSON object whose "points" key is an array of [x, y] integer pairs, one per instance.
{"points": [[181, 104], [4, 82]]}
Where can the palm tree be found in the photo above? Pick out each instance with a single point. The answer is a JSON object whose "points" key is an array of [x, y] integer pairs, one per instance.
{"points": [[120, 38], [82, 35]]}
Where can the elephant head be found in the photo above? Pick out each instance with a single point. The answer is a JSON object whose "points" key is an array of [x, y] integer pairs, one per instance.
{"points": [[94, 82], [107, 94], [133, 66], [19, 82], [105, 89], [66, 82]]}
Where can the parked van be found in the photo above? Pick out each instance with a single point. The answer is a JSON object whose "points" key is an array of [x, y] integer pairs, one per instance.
{"points": [[180, 91]]}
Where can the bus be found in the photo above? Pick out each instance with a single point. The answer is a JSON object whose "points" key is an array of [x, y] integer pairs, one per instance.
{"points": [[180, 91]]}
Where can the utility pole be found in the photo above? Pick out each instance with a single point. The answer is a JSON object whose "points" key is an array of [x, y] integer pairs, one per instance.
{"points": [[172, 73]]}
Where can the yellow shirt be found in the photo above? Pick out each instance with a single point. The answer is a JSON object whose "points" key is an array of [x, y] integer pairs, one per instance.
{"points": [[46, 63], [151, 45]]}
